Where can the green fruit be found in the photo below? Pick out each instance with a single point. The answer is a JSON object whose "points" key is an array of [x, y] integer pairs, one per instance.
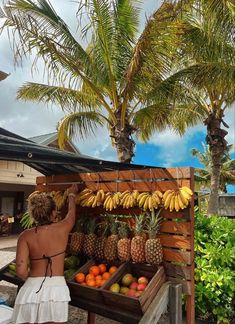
{"points": [[124, 290], [115, 288], [127, 279], [68, 274], [71, 262]]}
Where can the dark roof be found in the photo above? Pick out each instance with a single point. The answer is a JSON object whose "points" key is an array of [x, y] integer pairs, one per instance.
{"points": [[3, 75], [51, 161]]}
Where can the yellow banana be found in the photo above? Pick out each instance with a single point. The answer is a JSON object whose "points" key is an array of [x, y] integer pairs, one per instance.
{"points": [[124, 193], [156, 198], [166, 193], [183, 199], [172, 203], [185, 194], [168, 199], [135, 194], [94, 204], [141, 195], [143, 199], [146, 203], [188, 190], [150, 203], [177, 206], [181, 204]]}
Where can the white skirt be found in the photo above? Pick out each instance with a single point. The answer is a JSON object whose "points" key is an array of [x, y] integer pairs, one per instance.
{"points": [[50, 304]]}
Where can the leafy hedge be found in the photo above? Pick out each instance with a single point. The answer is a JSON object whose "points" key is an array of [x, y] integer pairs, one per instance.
{"points": [[215, 268]]}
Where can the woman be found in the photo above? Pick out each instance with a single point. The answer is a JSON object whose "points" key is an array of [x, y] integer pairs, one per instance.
{"points": [[44, 296]]}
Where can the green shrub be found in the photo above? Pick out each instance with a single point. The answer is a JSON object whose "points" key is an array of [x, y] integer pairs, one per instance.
{"points": [[215, 264]]}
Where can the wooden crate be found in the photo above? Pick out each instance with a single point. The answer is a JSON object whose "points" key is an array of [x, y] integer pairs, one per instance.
{"points": [[91, 293], [138, 306]]}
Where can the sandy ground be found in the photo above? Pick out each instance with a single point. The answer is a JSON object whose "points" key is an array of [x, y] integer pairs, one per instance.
{"points": [[76, 315]]}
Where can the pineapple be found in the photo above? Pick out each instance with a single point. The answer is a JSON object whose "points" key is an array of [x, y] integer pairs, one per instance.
{"points": [[138, 241], [101, 241], [124, 243], [77, 237], [90, 238], [153, 247], [110, 249]]}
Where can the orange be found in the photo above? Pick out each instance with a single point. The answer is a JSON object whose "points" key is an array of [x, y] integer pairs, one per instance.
{"points": [[91, 283], [95, 270], [106, 275], [102, 267], [98, 282], [79, 277], [112, 269], [90, 276], [97, 278], [103, 281]]}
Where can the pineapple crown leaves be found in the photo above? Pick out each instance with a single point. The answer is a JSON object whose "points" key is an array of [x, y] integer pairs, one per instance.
{"points": [[140, 223], [124, 230], [153, 222], [103, 228], [80, 224], [90, 226]]}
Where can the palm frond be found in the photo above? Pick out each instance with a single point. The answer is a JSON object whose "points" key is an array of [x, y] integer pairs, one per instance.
{"points": [[67, 98], [78, 124], [36, 26], [150, 119]]}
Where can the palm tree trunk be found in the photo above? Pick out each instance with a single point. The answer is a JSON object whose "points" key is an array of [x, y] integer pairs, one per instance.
{"points": [[217, 144], [122, 140]]}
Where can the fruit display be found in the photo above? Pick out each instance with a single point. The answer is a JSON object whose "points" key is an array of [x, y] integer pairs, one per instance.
{"points": [[96, 275], [177, 199], [60, 198], [153, 247], [130, 286], [138, 241]]}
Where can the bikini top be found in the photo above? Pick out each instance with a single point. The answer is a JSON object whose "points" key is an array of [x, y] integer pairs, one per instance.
{"points": [[49, 263]]}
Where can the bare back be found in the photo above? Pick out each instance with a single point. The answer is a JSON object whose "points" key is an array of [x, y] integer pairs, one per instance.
{"points": [[48, 240]]}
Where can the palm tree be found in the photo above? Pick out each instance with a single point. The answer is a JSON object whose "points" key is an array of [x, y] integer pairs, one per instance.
{"points": [[203, 175], [202, 86], [102, 84]]}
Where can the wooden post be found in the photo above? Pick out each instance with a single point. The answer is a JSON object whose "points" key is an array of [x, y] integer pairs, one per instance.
{"points": [[190, 301], [175, 304], [90, 318]]}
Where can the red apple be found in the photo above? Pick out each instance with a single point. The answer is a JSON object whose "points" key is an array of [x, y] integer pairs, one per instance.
{"points": [[143, 280], [131, 293], [133, 285], [141, 287]]}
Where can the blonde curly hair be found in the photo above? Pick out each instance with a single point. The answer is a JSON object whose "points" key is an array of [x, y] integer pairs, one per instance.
{"points": [[40, 207]]}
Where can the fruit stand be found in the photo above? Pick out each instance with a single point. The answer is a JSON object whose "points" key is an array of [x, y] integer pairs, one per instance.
{"points": [[130, 197]]}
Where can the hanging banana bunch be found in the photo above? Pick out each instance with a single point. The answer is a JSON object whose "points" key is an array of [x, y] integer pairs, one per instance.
{"points": [[177, 199], [148, 200], [112, 200], [59, 198]]}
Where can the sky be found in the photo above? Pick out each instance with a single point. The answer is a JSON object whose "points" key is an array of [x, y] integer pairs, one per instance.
{"points": [[165, 149]]}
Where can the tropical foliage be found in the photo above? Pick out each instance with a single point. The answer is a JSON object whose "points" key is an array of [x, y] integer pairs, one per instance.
{"points": [[203, 175], [214, 273], [103, 84]]}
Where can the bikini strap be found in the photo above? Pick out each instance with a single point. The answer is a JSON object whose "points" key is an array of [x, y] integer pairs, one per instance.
{"points": [[49, 263]]}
